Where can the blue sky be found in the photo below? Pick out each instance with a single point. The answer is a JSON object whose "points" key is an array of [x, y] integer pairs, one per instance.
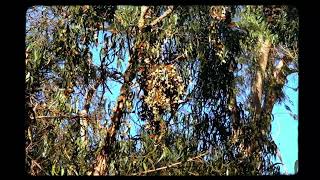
{"points": [[284, 127]]}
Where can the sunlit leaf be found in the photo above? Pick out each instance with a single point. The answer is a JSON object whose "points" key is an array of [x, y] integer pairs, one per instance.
{"points": [[162, 155], [145, 167], [62, 171], [53, 169]]}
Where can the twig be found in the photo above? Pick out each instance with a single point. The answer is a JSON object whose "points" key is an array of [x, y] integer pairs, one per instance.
{"points": [[61, 116], [89, 94], [165, 14], [169, 166], [280, 157], [33, 161], [180, 58], [194, 174], [288, 53]]}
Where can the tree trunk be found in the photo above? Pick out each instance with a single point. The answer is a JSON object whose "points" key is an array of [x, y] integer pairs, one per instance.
{"points": [[100, 168], [256, 90], [102, 159], [257, 85]]}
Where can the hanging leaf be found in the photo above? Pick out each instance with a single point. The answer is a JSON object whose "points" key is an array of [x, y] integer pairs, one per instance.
{"points": [[27, 76], [279, 156], [144, 166], [35, 55], [294, 116], [29, 134], [162, 155], [296, 167], [287, 108], [62, 171], [53, 169]]}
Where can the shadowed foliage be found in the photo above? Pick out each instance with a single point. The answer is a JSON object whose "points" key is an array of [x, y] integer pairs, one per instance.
{"points": [[197, 85]]}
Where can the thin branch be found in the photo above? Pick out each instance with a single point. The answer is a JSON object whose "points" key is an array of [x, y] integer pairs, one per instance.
{"points": [[280, 157], [89, 95], [61, 116], [169, 166], [117, 114], [179, 58], [165, 14], [33, 161], [288, 52]]}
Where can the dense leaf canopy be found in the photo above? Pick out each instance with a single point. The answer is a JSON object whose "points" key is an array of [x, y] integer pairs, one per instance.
{"points": [[194, 88]]}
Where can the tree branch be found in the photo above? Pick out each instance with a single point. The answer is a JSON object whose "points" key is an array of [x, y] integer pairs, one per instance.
{"points": [[288, 53], [141, 21], [165, 14], [129, 74], [180, 58], [61, 116], [169, 166], [279, 78], [35, 162], [89, 94], [84, 112], [257, 85]]}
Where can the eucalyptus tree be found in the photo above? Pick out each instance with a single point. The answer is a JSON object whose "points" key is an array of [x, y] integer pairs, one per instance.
{"points": [[195, 98]]}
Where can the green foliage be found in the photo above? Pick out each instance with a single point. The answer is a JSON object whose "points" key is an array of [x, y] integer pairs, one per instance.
{"points": [[180, 116]]}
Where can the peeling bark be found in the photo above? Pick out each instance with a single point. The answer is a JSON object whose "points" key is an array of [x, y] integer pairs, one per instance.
{"points": [[277, 81], [257, 85], [256, 90]]}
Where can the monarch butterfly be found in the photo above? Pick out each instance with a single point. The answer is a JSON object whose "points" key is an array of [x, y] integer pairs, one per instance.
{"points": [[152, 136], [218, 12]]}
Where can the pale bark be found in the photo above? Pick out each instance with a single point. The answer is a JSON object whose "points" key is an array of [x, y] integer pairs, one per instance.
{"points": [[257, 85], [257, 88], [277, 80], [143, 12]]}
